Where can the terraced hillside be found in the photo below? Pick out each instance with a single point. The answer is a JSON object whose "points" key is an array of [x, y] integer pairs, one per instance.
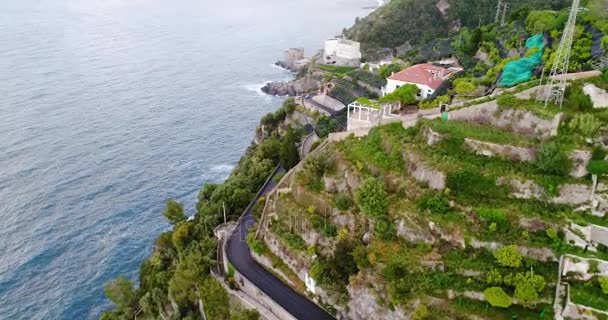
{"points": [[481, 217]]}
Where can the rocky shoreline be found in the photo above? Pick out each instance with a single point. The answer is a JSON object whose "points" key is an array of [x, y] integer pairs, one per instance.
{"points": [[294, 87]]}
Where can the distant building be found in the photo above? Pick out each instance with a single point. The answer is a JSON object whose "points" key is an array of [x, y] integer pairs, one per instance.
{"points": [[340, 51], [427, 77]]}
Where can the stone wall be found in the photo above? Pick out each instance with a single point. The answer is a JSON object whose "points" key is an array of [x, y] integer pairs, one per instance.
{"points": [[518, 121], [419, 171], [504, 151]]}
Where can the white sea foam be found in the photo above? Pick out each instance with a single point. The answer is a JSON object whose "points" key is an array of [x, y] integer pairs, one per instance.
{"points": [[256, 87], [222, 168]]}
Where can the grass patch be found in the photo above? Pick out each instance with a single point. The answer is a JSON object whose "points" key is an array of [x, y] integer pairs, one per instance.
{"points": [[336, 69], [589, 294], [466, 307], [479, 132]]}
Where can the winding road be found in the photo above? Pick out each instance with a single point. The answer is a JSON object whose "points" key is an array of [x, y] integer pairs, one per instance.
{"points": [[239, 256]]}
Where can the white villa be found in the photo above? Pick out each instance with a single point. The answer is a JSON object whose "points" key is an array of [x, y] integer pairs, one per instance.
{"points": [[427, 77], [340, 51]]}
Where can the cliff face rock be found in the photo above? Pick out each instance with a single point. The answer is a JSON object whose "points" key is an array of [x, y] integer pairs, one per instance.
{"points": [[293, 87], [365, 293], [504, 151]]}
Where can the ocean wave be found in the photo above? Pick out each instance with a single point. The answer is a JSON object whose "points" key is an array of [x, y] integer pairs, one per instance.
{"points": [[256, 87]]}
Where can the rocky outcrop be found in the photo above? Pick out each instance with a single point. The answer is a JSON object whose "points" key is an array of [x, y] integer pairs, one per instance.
{"points": [[573, 194], [431, 136], [518, 121], [526, 189], [419, 171], [599, 97], [412, 234], [365, 292], [293, 87], [501, 150], [293, 60], [580, 160]]}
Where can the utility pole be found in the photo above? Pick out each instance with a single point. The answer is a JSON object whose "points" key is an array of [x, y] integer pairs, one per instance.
{"points": [[224, 207], [554, 91]]}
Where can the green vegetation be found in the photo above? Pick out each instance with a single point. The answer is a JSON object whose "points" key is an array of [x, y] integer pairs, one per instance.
{"points": [[372, 198], [174, 212], [369, 103], [497, 297], [336, 69], [590, 294], [508, 257], [551, 159], [405, 95], [176, 278], [388, 69]]}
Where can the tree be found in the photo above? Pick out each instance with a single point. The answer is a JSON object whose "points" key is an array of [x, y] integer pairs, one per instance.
{"points": [[542, 21], [174, 212], [497, 297], [372, 198], [122, 293], [180, 236], [405, 95], [288, 154], [464, 86], [551, 159], [388, 69], [508, 256], [528, 286]]}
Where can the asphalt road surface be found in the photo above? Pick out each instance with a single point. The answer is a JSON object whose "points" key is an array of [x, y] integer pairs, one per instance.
{"points": [[240, 257]]}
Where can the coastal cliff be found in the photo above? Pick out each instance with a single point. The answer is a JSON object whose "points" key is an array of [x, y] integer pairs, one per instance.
{"points": [[294, 87]]}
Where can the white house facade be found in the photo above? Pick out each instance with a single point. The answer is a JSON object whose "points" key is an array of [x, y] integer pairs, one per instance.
{"points": [[342, 51]]}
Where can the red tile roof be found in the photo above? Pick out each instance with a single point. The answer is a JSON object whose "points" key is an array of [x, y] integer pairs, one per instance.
{"points": [[426, 74]]}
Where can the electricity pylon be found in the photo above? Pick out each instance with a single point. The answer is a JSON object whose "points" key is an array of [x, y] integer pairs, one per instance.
{"points": [[498, 9], [554, 90], [501, 12]]}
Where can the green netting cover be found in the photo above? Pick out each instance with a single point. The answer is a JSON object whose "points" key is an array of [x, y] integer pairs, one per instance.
{"points": [[519, 71]]}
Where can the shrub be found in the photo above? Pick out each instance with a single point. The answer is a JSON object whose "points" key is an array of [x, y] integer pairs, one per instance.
{"points": [[323, 225], [577, 99], [551, 159], [342, 201], [497, 216], [508, 257], [388, 69], [360, 256], [384, 229], [552, 234], [313, 170], [493, 277], [372, 198], [497, 297], [604, 284], [434, 202], [474, 186], [587, 125]]}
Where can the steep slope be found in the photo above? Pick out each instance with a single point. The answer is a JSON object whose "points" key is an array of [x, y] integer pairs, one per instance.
{"points": [[420, 21]]}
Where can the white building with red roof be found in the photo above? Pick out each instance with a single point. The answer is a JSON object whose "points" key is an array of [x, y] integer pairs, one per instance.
{"points": [[427, 77]]}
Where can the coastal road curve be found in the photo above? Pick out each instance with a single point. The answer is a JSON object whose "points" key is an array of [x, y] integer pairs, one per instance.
{"points": [[239, 256]]}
